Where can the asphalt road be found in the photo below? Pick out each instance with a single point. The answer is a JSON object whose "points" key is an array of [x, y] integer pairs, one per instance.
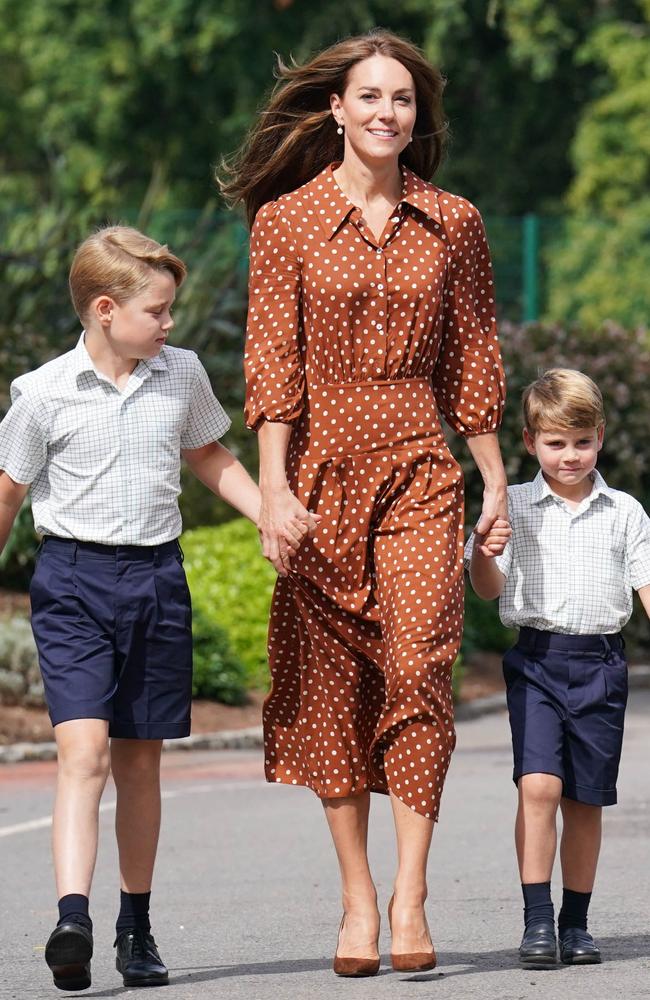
{"points": [[245, 901]]}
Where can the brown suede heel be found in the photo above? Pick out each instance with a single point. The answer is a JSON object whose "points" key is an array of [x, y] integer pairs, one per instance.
{"points": [[417, 961], [354, 967]]}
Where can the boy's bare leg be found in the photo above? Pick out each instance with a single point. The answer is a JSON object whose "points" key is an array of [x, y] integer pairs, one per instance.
{"points": [[535, 827], [579, 850], [136, 772], [83, 766], [580, 844]]}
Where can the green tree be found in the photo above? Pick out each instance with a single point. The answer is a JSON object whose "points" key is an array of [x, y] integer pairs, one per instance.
{"points": [[601, 271], [114, 105]]}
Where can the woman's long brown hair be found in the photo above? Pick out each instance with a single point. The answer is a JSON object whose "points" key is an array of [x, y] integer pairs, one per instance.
{"points": [[295, 136]]}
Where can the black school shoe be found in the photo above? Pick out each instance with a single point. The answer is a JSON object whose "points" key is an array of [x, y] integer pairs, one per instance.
{"points": [[538, 946], [138, 959], [577, 947], [68, 953]]}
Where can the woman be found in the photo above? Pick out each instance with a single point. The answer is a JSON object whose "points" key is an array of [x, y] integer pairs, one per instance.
{"points": [[371, 306]]}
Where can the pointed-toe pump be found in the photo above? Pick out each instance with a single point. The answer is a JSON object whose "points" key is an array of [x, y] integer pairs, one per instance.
{"points": [[410, 961], [354, 967]]}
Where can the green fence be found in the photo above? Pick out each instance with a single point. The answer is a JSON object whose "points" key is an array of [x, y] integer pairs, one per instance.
{"points": [[519, 246]]}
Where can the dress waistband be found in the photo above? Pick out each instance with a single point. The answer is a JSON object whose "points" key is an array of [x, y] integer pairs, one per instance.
{"points": [[350, 417]]}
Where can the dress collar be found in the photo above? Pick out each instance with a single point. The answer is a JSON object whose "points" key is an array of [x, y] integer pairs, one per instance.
{"points": [[337, 207]]}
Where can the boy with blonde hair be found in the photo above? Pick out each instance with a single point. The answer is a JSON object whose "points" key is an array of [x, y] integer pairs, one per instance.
{"points": [[98, 433], [565, 579]]}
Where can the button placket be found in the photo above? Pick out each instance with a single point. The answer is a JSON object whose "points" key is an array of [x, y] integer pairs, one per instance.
{"points": [[382, 318], [128, 516]]}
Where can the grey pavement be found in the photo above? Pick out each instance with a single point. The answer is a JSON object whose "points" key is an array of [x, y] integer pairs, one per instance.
{"points": [[245, 901]]}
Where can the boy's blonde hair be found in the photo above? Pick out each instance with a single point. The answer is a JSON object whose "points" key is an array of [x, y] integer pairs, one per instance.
{"points": [[562, 398], [118, 261]]}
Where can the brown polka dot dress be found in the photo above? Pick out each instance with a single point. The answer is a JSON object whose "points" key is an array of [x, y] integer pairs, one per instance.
{"points": [[358, 344]]}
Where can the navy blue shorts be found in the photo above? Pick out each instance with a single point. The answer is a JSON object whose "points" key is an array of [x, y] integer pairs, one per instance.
{"points": [[113, 629], [566, 699]]}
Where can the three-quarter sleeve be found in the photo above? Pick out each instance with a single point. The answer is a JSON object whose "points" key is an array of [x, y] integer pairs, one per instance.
{"points": [[273, 365], [468, 380]]}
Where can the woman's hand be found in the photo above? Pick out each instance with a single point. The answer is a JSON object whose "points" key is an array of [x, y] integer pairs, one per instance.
{"points": [[493, 528], [283, 524]]}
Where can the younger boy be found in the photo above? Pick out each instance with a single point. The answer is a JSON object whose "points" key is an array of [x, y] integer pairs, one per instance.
{"points": [[99, 433], [565, 579]]}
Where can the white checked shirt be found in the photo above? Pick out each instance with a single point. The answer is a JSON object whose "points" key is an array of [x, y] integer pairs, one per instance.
{"points": [[572, 571], [104, 463]]}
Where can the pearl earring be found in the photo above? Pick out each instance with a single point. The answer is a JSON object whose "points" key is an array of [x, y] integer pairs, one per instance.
{"points": [[339, 130]]}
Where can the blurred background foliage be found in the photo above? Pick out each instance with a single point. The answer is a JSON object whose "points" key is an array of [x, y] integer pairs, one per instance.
{"points": [[120, 110]]}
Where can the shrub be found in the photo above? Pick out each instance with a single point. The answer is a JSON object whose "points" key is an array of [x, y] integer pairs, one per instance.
{"points": [[17, 557], [20, 677], [231, 585], [483, 629], [218, 673]]}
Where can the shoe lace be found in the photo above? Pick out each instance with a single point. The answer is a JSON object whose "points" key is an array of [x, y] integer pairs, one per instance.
{"points": [[140, 943]]}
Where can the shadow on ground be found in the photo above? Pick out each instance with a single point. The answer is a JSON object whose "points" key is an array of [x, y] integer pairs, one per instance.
{"points": [[615, 949]]}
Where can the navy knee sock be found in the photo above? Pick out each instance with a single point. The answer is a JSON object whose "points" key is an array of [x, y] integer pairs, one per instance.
{"points": [[134, 911], [574, 910], [73, 909], [537, 902]]}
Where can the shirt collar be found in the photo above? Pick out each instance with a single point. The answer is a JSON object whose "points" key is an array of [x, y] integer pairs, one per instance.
{"points": [[82, 362], [338, 208], [541, 490]]}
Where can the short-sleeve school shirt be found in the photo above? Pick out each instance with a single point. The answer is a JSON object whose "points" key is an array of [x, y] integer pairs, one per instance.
{"points": [[104, 463], [572, 571]]}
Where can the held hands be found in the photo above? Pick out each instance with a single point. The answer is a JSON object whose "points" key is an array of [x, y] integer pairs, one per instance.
{"points": [[493, 542], [493, 530], [283, 525]]}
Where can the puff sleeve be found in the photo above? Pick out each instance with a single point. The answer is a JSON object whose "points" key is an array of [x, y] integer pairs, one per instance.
{"points": [[273, 365], [468, 380]]}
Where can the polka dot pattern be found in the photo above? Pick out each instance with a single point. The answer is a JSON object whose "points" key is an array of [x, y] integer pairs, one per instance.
{"points": [[359, 343]]}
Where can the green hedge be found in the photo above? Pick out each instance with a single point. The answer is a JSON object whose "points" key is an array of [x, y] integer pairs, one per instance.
{"points": [[218, 673], [231, 585]]}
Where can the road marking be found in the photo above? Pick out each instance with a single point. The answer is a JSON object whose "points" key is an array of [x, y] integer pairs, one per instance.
{"points": [[43, 822]]}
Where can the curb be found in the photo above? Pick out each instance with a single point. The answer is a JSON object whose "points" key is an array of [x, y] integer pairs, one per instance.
{"points": [[252, 739]]}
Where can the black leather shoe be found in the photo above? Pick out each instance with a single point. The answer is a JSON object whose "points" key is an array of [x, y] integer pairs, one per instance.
{"points": [[138, 959], [577, 947], [538, 946], [68, 953]]}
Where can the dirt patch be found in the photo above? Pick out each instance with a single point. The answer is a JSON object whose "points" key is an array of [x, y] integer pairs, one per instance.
{"points": [[13, 603], [482, 676]]}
